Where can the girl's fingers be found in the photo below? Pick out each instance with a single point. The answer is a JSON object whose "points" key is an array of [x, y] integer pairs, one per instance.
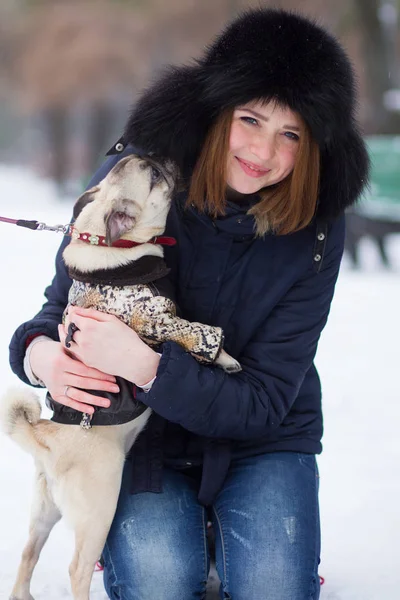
{"points": [[74, 367], [83, 396], [69, 401], [75, 312], [82, 401], [61, 334], [88, 383]]}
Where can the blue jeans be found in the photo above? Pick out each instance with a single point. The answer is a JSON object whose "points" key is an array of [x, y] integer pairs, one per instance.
{"points": [[266, 523]]}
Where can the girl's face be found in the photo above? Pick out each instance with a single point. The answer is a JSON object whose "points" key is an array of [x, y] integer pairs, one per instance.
{"points": [[263, 144]]}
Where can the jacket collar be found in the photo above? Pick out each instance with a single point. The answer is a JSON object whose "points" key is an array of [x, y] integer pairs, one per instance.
{"points": [[235, 223]]}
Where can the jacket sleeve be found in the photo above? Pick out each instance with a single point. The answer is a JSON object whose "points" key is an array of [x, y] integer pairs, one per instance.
{"points": [[207, 401], [56, 294]]}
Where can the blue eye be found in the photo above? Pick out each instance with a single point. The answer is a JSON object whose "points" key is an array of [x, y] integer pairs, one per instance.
{"points": [[292, 136], [250, 120]]}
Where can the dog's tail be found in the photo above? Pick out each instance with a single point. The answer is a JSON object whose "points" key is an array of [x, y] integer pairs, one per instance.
{"points": [[20, 419]]}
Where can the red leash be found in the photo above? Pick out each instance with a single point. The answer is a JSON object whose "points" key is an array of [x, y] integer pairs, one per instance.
{"points": [[38, 226], [95, 240]]}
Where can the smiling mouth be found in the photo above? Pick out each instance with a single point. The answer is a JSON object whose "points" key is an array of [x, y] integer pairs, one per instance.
{"points": [[251, 168]]}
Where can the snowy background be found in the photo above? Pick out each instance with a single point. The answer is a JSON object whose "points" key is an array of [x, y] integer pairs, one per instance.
{"points": [[359, 363]]}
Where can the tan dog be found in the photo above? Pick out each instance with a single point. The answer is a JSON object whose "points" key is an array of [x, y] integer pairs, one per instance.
{"points": [[131, 203]]}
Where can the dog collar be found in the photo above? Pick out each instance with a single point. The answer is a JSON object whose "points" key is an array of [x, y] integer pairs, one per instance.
{"points": [[100, 240]]}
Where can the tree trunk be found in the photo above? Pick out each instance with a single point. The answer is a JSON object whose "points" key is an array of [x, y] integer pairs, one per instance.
{"points": [[57, 121], [100, 127], [377, 62]]}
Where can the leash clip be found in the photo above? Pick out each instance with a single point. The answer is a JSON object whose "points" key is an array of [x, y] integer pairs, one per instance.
{"points": [[65, 229]]}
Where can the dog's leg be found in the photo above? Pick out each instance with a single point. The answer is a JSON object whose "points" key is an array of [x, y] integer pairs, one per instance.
{"points": [[91, 511], [45, 515], [156, 320], [227, 362]]}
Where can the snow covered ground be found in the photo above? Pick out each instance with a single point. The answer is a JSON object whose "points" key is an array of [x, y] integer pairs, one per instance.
{"points": [[358, 360]]}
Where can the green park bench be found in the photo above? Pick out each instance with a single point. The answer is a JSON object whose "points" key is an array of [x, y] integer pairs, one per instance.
{"points": [[383, 198], [377, 214]]}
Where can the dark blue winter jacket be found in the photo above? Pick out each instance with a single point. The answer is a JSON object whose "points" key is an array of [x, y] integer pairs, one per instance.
{"points": [[272, 297]]}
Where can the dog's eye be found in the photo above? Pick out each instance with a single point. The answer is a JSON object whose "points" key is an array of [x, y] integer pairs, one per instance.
{"points": [[155, 174]]}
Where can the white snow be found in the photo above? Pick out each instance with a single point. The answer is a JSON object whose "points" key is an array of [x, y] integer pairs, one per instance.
{"points": [[358, 360]]}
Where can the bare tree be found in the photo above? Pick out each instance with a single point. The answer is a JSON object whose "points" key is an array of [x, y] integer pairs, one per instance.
{"points": [[97, 55], [65, 54], [378, 67]]}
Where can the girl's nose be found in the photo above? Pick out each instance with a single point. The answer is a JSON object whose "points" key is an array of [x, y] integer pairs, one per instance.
{"points": [[263, 148]]}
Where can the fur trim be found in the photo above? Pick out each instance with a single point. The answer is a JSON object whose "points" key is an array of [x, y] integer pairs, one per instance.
{"points": [[268, 54]]}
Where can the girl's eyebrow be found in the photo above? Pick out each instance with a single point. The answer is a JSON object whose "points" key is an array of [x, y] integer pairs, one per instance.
{"points": [[262, 118]]}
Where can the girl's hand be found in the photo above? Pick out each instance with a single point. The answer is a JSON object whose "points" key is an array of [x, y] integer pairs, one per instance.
{"points": [[62, 375], [105, 343]]}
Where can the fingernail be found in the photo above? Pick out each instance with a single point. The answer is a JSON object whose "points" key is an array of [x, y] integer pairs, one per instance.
{"points": [[106, 403], [114, 388]]}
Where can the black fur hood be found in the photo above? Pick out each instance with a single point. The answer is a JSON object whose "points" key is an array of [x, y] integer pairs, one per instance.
{"points": [[271, 54]]}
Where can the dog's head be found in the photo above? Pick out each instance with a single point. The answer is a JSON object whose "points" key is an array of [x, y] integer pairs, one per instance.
{"points": [[131, 202]]}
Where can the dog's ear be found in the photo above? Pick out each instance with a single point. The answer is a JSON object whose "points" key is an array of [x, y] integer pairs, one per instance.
{"points": [[181, 185], [117, 223], [86, 198]]}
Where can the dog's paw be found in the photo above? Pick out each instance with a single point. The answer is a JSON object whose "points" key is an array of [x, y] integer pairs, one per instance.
{"points": [[233, 368], [227, 362]]}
